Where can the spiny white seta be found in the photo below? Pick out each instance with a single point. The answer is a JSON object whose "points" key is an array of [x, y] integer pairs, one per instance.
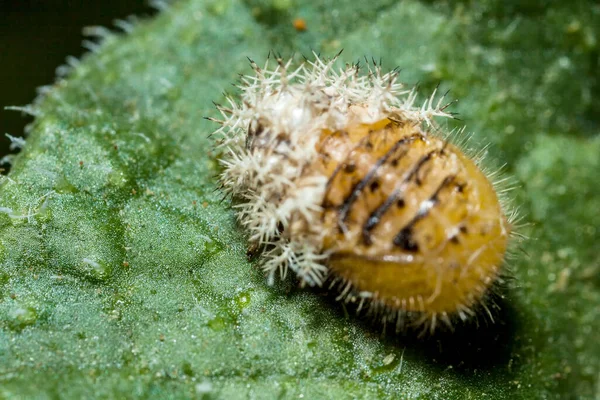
{"points": [[270, 135]]}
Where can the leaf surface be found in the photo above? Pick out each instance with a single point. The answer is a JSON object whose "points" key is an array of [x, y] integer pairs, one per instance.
{"points": [[123, 274]]}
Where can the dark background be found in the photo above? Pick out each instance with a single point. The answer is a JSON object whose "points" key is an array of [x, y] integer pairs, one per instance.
{"points": [[36, 36]]}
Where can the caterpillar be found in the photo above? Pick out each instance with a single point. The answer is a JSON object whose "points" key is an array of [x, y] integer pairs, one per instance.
{"points": [[340, 177]]}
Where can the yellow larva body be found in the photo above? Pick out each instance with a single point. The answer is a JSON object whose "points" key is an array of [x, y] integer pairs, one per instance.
{"points": [[338, 177], [409, 218]]}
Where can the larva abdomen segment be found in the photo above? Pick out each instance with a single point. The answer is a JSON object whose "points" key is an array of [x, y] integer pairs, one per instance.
{"points": [[409, 218]]}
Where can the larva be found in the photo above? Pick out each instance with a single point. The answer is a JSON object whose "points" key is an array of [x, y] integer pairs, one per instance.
{"points": [[338, 175]]}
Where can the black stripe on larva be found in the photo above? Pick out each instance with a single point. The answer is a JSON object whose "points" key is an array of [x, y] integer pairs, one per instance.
{"points": [[374, 186], [350, 167], [404, 238], [447, 181], [376, 215], [406, 241], [360, 186], [340, 167]]}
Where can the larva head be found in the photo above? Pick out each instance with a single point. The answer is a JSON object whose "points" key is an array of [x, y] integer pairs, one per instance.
{"points": [[336, 173]]}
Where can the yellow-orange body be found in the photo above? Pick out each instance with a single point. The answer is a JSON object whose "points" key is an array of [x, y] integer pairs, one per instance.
{"points": [[409, 220]]}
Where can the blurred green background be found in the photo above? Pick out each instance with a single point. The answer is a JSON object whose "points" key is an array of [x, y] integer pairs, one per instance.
{"points": [[35, 38]]}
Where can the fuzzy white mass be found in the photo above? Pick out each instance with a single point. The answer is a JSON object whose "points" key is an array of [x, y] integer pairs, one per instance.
{"points": [[269, 140]]}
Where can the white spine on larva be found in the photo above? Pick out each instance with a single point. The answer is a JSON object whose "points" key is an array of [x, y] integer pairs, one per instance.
{"points": [[271, 135]]}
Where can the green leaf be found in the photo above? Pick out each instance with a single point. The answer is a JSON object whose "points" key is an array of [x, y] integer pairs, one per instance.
{"points": [[123, 274]]}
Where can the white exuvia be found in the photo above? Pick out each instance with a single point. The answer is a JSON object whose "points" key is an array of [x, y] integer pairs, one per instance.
{"points": [[269, 138]]}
